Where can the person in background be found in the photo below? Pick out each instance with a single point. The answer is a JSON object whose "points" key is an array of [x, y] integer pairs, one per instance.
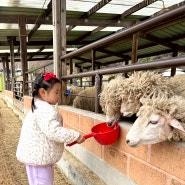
{"points": [[42, 137]]}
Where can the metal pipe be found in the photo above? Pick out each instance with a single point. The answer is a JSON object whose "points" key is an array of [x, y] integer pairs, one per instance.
{"points": [[134, 29], [158, 64]]}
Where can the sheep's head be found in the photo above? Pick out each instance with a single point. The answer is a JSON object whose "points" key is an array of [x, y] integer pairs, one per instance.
{"points": [[110, 102], [154, 124], [112, 113], [129, 106], [141, 84]]}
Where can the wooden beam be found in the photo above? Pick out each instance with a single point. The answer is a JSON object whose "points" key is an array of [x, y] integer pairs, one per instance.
{"points": [[70, 21], [23, 52], [90, 12], [135, 8], [95, 8]]}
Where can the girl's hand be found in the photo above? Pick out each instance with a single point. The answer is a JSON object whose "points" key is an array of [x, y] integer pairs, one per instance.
{"points": [[80, 139]]}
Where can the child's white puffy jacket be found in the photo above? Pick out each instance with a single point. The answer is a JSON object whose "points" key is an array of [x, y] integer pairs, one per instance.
{"points": [[43, 136]]}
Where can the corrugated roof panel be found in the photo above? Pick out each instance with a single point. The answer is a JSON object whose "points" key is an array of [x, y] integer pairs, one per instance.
{"points": [[180, 42], [170, 31], [153, 49], [178, 28], [4, 34], [163, 34], [18, 10]]}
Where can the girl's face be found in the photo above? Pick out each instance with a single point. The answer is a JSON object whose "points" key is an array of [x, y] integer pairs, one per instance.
{"points": [[51, 96]]}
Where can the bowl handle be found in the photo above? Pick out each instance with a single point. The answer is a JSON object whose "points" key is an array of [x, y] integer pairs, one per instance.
{"points": [[85, 136]]}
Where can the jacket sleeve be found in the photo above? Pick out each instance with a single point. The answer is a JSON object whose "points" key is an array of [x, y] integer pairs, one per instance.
{"points": [[49, 124]]}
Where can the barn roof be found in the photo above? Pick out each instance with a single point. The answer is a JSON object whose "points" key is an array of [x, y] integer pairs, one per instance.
{"points": [[88, 21]]}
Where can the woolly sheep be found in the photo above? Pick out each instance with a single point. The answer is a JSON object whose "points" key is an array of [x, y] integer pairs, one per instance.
{"points": [[109, 100], [159, 119], [74, 90], [142, 84], [177, 84], [86, 99]]}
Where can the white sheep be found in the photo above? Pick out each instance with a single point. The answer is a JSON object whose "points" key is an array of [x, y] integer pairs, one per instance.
{"points": [[109, 100], [74, 90], [141, 84], [177, 84], [159, 119], [86, 99]]}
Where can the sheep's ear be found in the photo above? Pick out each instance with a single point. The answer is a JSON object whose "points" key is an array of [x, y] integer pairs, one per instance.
{"points": [[176, 125]]}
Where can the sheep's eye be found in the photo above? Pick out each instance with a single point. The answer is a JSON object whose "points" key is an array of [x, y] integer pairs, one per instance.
{"points": [[153, 122]]}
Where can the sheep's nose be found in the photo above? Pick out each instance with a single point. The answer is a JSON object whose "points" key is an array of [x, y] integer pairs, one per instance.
{"points": [[128, 141], [131, 142], [109, 124]]}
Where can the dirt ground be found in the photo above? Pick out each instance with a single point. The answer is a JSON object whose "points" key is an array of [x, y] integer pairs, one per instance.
{"points": [[12, 172]]}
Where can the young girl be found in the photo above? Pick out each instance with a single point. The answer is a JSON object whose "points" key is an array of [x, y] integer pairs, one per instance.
{"points": [[42, 138]]}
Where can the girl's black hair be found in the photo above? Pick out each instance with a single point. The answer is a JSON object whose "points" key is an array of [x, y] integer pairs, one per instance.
{"points": [[41, 83]]}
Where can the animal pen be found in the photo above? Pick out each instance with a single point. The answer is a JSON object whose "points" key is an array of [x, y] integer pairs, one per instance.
{"points": [[140, 37]]}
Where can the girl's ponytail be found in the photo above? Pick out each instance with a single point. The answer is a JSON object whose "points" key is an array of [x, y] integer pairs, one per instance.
{"points": [[37, 82], [34, 93]]}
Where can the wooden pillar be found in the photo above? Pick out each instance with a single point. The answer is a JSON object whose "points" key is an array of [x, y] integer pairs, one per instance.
{"points": [[98, 90], [71, 70], [134, 48], [93, 56], [23, 52], [81, 80], [59, 42], [11, 41], [126, 63], [173, 69], [4, 70], [7, 72]]}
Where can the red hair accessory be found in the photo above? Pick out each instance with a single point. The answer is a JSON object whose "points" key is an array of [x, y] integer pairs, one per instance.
{"points": [[48, 76]]}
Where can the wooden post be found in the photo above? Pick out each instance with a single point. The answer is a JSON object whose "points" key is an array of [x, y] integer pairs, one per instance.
{"points": [[59, 42], [71, 70], [11, 41], [173, 69], [134, 48], [4, 69], [93, 56], [98, 90], [23, 52], [7, 72]]}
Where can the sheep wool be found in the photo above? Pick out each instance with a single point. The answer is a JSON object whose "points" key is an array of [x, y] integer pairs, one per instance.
{"points": [[145, 83], [173, 106], [110, 93], [86, 99], [177, 84]]}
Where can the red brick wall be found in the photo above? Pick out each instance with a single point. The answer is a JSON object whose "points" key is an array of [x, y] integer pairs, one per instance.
{"points": [[159, 164], [27, 103]]}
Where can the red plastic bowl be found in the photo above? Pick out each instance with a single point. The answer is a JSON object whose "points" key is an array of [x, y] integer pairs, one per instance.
{"points": [[103, 134]]}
